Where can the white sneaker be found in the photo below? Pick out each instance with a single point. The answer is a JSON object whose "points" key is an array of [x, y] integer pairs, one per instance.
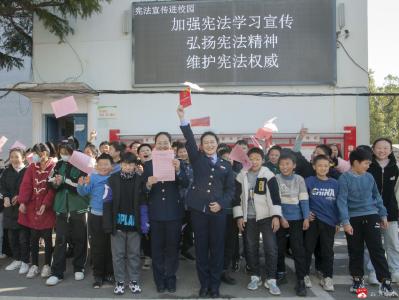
{"points": [[308, 283], [372, 279], [271, 285], [53, 280], [255, 283], [24, 268], [395, 277], [3, 256], [327, 284], [46, 271], [16, 264], [33, 271], [79, 276]]}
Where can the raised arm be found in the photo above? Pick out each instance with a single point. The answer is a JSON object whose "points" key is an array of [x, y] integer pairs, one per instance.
{"points": [[191, 145]]}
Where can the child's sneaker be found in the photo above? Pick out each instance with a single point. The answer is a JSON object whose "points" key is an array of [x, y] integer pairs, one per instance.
{"points": [[327, 284], [79, 276], [53, 280], [24, 268], [134, 287], [386, 290], [308, 282], [16, 264], [119, 288], [46, 271], [358, 283], [33, 271], [255, 283], [271, 285]]}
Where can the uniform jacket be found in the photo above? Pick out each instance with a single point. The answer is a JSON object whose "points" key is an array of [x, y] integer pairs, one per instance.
{"points": [[212, 182], [164, 200]]}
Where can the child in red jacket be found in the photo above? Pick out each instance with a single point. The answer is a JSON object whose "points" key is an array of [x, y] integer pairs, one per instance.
{"points": [[36, 207]]}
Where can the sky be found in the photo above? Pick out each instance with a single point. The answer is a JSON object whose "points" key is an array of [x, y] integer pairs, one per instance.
{"points": [[383, 33]]}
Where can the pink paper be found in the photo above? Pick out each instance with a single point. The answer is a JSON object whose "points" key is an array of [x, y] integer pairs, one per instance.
{"points": [[3, 141], [263, 133], [255, 142], [239, 155], [343, 165], [162, 165], [82, 161], [64, 107], [19, 145], [200, 122]]}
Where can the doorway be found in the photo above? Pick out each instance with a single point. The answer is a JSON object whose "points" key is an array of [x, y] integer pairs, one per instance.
{"points": [[72, 125]]}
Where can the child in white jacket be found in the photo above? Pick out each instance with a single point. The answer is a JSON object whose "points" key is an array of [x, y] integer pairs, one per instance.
{"points": [[257, 208]]}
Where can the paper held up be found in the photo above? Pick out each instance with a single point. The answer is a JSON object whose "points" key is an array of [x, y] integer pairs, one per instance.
{"points": [[162, 165], [18, 145], [3, 141], [193, 86], [239, 155], [83, 162], [264, 133], [64, 107], [185, 98], [205, 122], [271, 125]]}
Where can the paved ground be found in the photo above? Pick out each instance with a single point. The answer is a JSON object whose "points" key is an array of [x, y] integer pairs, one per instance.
{"points": [[14, 286]]}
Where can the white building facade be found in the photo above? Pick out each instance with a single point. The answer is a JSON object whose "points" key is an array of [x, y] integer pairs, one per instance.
{"points": [[99, 56]]}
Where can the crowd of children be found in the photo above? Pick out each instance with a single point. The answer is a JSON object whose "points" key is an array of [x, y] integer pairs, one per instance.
{"points": [[122, 211]]}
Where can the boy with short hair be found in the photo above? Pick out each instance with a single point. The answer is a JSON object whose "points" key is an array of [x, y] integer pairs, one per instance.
{"points": [[324, 218], [125, 216], [362, 213], [96, 187], [295, 217], [257, 208]]}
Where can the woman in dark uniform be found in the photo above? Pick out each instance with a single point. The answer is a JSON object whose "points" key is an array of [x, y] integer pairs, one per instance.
{"points": [[166, 211], [209, 197]]}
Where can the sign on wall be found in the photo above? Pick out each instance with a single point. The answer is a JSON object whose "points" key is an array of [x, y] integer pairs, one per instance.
{"points": [[222, 42]]}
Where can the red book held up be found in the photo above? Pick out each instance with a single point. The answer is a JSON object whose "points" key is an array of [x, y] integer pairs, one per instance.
{"points": [[185, 98]]}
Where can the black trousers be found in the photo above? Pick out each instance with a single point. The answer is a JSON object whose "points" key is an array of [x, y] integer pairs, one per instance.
{"points": [[19, 240], [231, 240], [100, 247], [76, 225], [297, 246], [187, 235], [35, 236], [209, 236], [366, 229], [322, 233], [165, 240], [146, 244], [253, 229]]}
